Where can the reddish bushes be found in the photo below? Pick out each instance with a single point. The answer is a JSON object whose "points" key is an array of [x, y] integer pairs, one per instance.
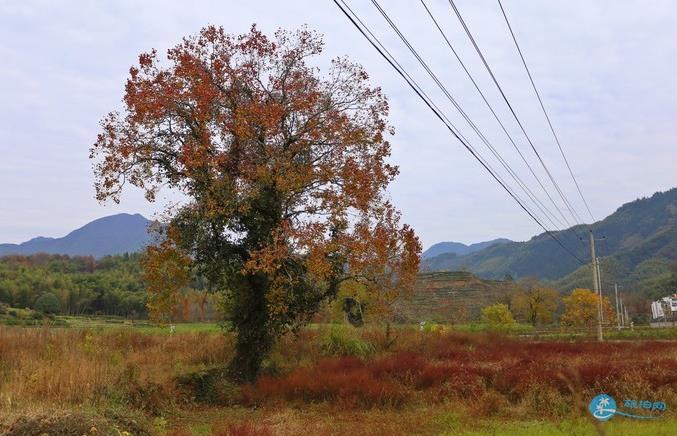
{"points": [[340, 365], [346, 381], [401, 366], [662, 373], [243, 429], [436, 367], [391, 380]]}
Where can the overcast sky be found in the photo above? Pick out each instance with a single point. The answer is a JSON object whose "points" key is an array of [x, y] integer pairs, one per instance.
{"points": [[605, 69]]}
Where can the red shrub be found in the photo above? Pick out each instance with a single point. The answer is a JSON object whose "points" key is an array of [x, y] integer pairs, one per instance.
{"points": [[661, 373], [435, 375], [654, 348], [455, 354], [508, 378], [341, 365], [402, 366], [345, 381], [452, 381], [517, 379], [466, 366], [597, 373], [242, 429]]}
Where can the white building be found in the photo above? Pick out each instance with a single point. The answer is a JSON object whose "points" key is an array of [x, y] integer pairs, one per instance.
{"points": [[664, 310]]}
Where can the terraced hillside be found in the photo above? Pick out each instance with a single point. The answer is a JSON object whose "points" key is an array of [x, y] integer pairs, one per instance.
{"points": [[452, 297]]}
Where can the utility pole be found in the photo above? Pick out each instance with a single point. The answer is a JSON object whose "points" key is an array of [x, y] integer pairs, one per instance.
{"points": [[599, 287], [595, 281], [618, 309]]}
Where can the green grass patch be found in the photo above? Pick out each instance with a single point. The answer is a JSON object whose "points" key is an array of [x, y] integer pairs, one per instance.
{"points": [[573, 427]]}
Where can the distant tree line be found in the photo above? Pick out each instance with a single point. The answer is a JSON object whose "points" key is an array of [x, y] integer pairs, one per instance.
{"points": [[537, 305], [80, 284], [83, 285]]}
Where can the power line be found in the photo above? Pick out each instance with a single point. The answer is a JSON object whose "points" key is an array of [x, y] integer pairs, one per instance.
{"points": [[540, 101], [402, 70], [505, 98], [514, 114], [462, 112], [431, 105], [458, 58], [512, 141]]}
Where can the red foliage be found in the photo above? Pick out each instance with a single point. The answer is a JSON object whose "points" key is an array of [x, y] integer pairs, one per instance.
{"points": [[243, 429], [340, 365], [435, 375], [662, 373], [596, 373], [402, 366], [345, 381], [458, 366]]}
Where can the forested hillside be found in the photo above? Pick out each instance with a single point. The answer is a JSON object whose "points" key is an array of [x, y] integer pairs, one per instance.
{"points": [[83, 285], [639, 249]]}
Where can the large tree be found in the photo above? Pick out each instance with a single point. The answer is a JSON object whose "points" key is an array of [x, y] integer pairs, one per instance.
{"points": [[284, 171], [582, 309], [535, 303]]}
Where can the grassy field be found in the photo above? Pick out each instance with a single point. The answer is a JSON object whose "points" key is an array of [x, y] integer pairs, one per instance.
{"points": [[30, 318], [119, 377]]}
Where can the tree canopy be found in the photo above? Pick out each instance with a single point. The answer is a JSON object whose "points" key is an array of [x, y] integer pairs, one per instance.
{"points": [[498, 315], [284, 171], [535, 303], [582, 308], [47, 303]]}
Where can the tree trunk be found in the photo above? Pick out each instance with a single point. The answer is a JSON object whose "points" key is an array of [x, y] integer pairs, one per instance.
{"points": [[253, 345], [250, 320]]}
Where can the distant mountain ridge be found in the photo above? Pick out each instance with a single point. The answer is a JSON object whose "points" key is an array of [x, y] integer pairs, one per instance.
{"points": [[115, 234], [459, 248], [640, 247], [640, 236]]}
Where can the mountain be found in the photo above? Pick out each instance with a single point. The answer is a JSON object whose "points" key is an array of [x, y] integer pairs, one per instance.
{"points": [[640, 238], [115, 234], [459, 248]]}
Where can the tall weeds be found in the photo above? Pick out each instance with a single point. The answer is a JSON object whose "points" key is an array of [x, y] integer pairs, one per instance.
{"points": [[62, 366], [344, 369]]}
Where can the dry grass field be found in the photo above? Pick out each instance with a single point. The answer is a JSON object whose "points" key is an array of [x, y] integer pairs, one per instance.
{"points": [[327, 380]]}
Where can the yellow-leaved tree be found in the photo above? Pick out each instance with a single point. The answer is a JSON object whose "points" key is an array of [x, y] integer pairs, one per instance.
{"points": [[582, 309], [534, 303]]}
